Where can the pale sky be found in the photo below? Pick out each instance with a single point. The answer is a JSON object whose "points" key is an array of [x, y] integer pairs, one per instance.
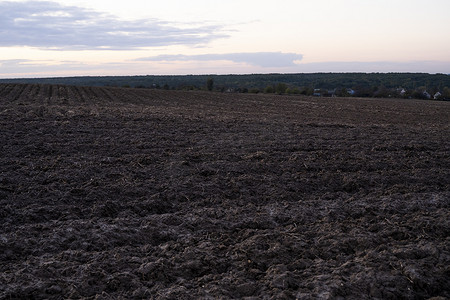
{"points": [[139, 37]]}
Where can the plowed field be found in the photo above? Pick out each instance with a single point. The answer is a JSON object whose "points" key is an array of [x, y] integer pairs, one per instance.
{"points": [[110, 193]]}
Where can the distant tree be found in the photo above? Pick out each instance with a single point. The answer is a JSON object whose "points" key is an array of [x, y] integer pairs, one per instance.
{"points": [[446, 93], [433, 90], [363, 91], [307, 91], [419, 93], [166, 87], [210, 84], [268, 89], [292, 91], [342, 92], [295, 91], [381, 92], [281, 88]]}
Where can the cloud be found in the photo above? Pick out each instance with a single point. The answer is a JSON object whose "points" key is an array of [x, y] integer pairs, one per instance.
{"points": [[49, 25], [262, 59]]}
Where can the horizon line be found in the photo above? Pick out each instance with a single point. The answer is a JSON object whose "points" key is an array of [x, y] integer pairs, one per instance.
{"points": [[215, 74]]}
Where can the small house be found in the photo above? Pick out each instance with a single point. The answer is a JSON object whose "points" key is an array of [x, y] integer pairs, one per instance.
{"points": [[332, 93], [351, 92], [401, 91]]}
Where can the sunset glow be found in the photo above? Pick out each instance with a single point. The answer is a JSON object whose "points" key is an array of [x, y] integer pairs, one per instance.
{"points": [[136, 37]]}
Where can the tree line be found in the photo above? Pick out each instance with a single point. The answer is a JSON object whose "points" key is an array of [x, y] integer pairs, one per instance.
{"points": [[414, 85]]}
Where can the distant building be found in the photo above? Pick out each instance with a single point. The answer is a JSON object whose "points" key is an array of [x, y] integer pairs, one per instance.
{"points": [[401, 91], [351, 92], [437, 96], [332, 93], [426, 95], [317, 92]]}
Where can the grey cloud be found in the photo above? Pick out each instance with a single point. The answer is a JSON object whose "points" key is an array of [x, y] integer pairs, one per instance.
{"points": [[49, 25], [262, 59]]}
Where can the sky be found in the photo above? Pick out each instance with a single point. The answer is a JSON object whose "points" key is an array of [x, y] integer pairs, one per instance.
{"points": [[175, 37]]}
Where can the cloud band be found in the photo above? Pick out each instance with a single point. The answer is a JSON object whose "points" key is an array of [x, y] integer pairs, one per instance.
{"points": [[49, 25], [262, 59]]}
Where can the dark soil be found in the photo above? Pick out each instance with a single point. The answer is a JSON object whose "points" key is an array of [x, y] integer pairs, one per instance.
{"points": [[111, 193]]}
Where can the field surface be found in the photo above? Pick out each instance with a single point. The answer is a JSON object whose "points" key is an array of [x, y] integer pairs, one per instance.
{"points": [[109, 193]]}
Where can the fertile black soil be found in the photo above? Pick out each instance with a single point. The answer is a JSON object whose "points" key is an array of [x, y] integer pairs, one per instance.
{"points": [[109, 193]]}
